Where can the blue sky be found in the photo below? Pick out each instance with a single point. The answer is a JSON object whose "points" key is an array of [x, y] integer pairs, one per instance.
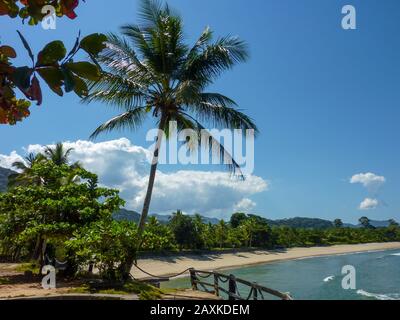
{"points": [[325, 99]]}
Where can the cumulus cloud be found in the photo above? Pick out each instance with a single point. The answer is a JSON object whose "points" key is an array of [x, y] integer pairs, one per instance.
{"points": [[245, 205], [369, 204], [124, 166], [6, 161], [369, 180]]}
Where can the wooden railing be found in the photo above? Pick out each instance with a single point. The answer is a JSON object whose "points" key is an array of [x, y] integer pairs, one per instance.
{"points": [[256, 291]]}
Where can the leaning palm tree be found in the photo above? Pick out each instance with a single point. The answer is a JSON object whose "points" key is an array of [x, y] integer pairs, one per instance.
{"points": [[150, 71]]}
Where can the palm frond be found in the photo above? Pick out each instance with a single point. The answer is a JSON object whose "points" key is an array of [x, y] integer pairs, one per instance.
{"points": [[120, 57], [131, 119], [216, 110], [150, 12], [19, 165], [213, 144], [215, 59], [117, 90], [203, 40]]}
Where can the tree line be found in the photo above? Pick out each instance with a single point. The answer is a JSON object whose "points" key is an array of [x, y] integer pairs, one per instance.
{"points": [[252, 231]]}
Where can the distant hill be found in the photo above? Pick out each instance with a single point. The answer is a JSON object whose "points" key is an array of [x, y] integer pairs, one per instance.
{"points": [[300, 222], [379, 224], [374, 223], [134, 216], [4, 173], [129, 215], [165, 218], [297, 222]]}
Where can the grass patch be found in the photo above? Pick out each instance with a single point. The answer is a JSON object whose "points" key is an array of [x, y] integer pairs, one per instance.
{"points": [[143, 290], [4, 281], [30, 266]]}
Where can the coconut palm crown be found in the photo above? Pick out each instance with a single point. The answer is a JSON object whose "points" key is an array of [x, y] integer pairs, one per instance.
{"points": [[151, 71]]}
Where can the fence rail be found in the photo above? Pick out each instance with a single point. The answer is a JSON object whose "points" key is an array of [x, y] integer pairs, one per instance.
{"points": [[257, 292]]}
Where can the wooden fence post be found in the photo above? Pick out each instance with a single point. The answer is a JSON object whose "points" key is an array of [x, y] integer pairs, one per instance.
{"points": [[193, 279], [216, 286], [255, 293], [232, 287]]}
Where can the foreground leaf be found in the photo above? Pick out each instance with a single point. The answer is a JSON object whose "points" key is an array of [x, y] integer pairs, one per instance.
{"points": [[85, 70], [52, 53], [94, 43]]}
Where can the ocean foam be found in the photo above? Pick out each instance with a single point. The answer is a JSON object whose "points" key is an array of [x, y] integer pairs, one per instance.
{"points": [[389, 296], [330, 278], [395, 254]]}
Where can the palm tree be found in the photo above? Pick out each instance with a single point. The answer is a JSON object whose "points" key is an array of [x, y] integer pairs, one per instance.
{"points": [[393, 223], [59, 154], [365, 222], [25, 176], [152, 72], [338, 223]]}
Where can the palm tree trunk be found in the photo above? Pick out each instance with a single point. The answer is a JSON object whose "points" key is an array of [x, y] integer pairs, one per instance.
{"points": [[153, 170]]}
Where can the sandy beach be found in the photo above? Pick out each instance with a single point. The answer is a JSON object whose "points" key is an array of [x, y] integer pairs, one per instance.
{"points": [[172, 264]]}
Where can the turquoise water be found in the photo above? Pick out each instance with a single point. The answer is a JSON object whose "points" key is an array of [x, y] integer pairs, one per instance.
{"points": [[377, 277]]}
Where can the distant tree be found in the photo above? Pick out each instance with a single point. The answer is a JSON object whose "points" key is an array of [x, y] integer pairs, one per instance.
{"points": [[157, 236], [183, 229], [338, 223], [199, 231], [249, 227], [262, 235], [25, 176], [221, 233], [365, 222], [59, 154], [393, 222], [237, 218]]}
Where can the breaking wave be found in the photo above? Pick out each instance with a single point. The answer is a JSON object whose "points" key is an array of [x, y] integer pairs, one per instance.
{"points": [[377, 296]]}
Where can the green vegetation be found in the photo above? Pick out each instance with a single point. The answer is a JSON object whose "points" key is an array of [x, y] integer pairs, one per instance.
{"points": [[54, 210], [144, 290], [251, 231], [33, 267]]}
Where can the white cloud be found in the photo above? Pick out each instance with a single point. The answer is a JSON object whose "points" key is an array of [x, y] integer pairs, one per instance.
{"points": [[245, 205], [369, 204], [6, 161], [124, 166], [369, 180]]}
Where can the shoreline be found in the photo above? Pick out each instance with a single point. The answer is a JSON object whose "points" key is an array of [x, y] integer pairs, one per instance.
{"points": [[168, 265]]}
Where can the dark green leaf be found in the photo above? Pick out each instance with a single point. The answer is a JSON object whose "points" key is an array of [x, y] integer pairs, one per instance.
{"points": [[53, 77], [26, 45], [84, 70], [94, 43], [22, 77], [81, 88], [52, 53], [69, 81]]}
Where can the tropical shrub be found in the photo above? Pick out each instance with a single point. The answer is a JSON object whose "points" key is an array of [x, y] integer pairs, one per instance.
{"points": [[110, 245]]}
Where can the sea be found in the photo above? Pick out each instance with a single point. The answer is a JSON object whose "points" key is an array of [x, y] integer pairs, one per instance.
{"points": [[356, 276]]}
